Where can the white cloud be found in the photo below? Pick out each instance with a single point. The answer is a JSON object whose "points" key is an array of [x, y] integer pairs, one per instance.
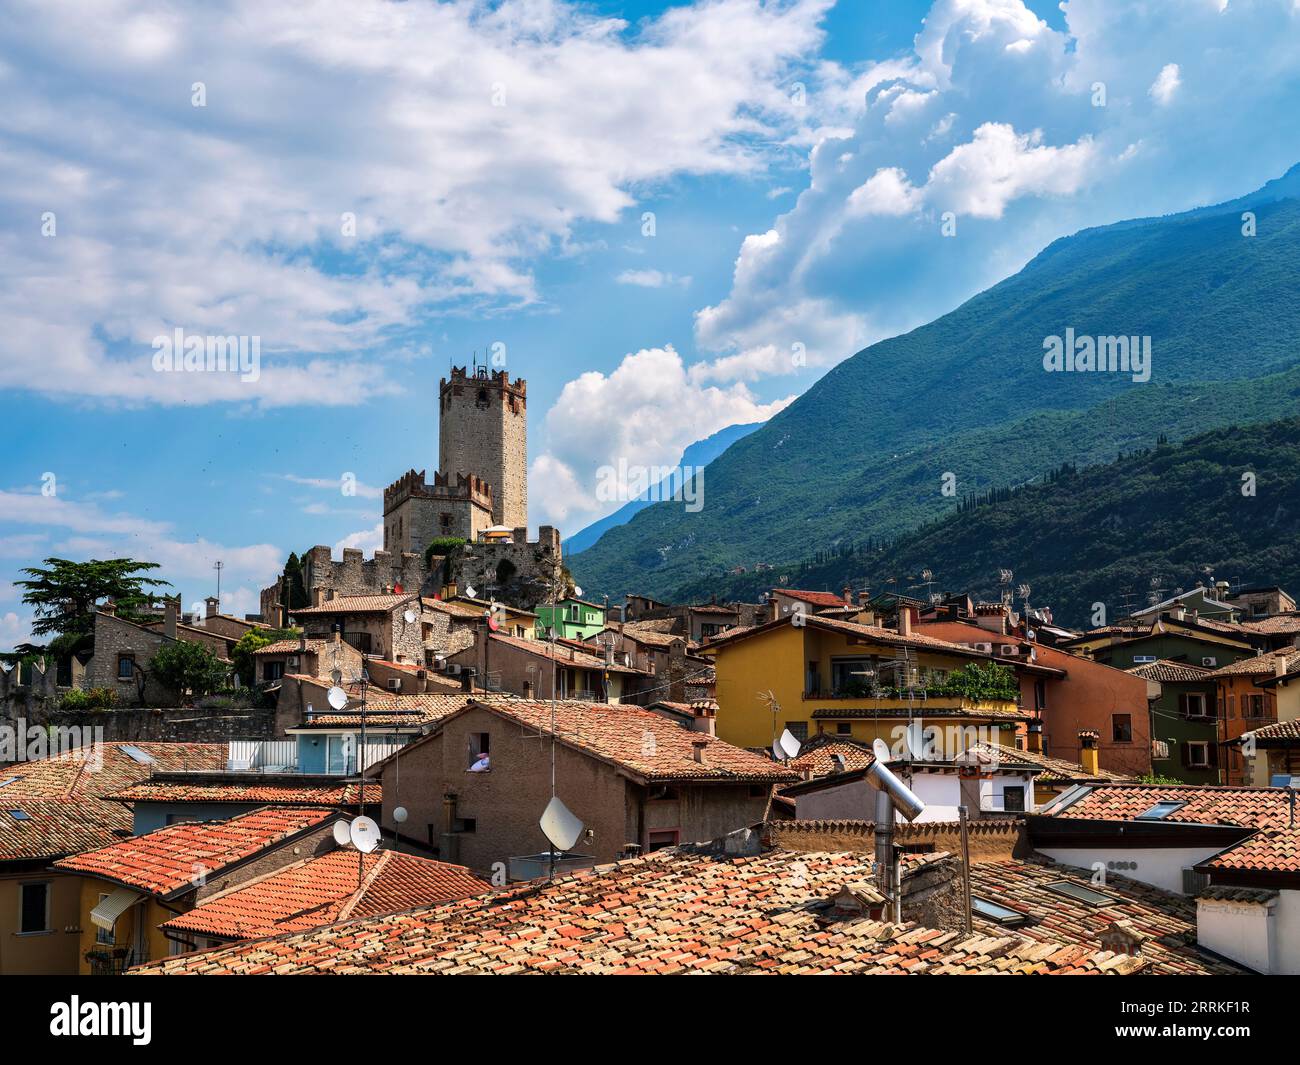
{"points": [[651, 279], [228, 219], [1166, 84], [645, 412], [368, 540], [993, 118], [14, 629]]}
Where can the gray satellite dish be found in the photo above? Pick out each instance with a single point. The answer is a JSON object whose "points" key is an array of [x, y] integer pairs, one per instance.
{"points": [[469, 591], [786, 746], [365, 834], [399, 814], [560, 825], [342, 833], [337, 697], [409, 617], [881, 750]]}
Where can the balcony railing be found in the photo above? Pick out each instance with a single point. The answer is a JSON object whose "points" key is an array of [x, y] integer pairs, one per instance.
{"points": [[281, 756]]}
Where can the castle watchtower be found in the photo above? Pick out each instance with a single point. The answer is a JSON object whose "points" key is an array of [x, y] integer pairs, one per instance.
{"points": [[483, 437]]}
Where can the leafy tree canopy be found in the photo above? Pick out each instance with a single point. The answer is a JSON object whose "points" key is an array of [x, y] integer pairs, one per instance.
{"points": [[64, 594], [188, 669]]}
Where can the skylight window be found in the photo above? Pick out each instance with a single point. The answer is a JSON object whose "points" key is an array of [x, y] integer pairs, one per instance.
{"points": [[1001, 914], [134, 753], [1079, 893], [20, 815], [1160, 811]]}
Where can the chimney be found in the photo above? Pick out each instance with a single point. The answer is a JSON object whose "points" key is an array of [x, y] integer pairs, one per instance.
{"points": [[1279, 664], [706, 716], [338, 634], [422, 680], [171, 607], [863, 597], [467, 680], [330, 594], [904, 620], [1034, 737], [847, 593], [212, 606], [302, 640], [697, 751], [1089, 741], [318, 597], [1123, 938]]}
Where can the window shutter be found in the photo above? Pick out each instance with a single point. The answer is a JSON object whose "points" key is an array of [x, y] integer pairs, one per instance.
{"points": [[1212, 754], [1186, 753], [1182, 703]]}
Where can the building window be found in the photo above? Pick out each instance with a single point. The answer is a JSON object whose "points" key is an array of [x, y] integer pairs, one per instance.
{"points": [[125, 667], [846, 674], [844, 728], [446, 520], [464, 824], [1040, 694], [1192, 704], [479, 758], [1121, 728], [1196, 754], [1013, 799], [272, 670], [798, 729], [1252, 706], [34, 908], [657, 841]]}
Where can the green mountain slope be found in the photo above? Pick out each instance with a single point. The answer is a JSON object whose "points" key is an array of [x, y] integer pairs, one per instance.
{"points": [[1097, 534], [863, 453]]}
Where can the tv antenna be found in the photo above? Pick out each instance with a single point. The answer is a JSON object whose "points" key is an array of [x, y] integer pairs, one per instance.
{"points": [[218, 566]]}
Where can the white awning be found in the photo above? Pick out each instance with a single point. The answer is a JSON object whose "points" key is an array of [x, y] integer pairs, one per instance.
{"points": [[105, 915]]}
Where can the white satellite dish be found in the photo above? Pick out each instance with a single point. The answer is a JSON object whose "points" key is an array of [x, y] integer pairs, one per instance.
{"points": [[881, 750], [577, 590], [399, 814], [365, 834], [409, 617], [469, 591], [786, 746], [337, 697], [560, 825], [342, 833]]}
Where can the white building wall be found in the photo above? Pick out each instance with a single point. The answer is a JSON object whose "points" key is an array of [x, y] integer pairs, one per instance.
{"points": [[1161, 867], [1244, 932]]}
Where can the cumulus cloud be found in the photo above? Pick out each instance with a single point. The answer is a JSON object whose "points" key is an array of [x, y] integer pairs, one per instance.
{"points": [[651, 279], [644, 413], [356, 168], [937, 173]]}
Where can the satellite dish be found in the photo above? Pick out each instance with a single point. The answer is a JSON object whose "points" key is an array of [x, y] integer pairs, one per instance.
{"points": [[577, 590], [409, 617], [399, 814], [365, 834], [560, 825], [881, 750], [493, 623], [787, 746], [342, 833], [469, 591], [337, 697], [336, 675]]}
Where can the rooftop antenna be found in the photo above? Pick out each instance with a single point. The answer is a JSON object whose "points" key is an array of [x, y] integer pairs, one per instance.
{"points": [[218, 566]]}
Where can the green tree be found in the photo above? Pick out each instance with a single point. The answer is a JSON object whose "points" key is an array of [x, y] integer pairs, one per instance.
{"points": [[980, 680], [293, 591], [188, 669], [254, 640], [65, 592]]}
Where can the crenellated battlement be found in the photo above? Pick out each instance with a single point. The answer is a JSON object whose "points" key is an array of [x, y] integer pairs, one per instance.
{"points": [[445, 489]]}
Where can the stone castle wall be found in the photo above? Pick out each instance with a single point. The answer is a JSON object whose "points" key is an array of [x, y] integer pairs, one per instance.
{"points": [[483, 430]]}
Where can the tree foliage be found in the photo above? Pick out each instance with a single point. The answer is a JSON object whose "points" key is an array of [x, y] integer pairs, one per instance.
{"points": [[65, 592], [189, 670], [254, 640]]}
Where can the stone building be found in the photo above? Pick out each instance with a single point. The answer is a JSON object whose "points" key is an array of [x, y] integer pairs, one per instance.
{"points": [[636, 780]]}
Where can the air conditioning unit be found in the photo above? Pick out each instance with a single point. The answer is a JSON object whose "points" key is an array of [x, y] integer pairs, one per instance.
{"points": [[291, 664], [1143, 660], [987, 648], [1008, 649], [394, 684], [453, 669], [1210, 661]]}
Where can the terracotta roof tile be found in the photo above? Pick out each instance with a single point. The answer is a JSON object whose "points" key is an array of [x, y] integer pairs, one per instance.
{"points": [[1169, 919], [682, 910], [355, 604], [166, 861], [1054, 769], [65, 797], [247, 789], [1260, 665], [1270, 851], [1204, 804], [1278, 730], [1169, 671], [324, 889]]}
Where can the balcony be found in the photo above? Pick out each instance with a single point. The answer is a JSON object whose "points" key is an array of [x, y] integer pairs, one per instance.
{"points": [[281, 757]]}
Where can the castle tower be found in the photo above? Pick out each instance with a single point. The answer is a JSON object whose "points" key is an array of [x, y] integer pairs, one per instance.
{"points": [[483, 437]]}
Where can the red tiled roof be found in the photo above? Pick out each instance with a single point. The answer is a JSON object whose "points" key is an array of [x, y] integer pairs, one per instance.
{"points": [[324, 889], [1280, 624], [648, 744], [64, 797], [569, 655], [681, 910], [887, 637], [356, 604], [1205, 804], [815, 598], [168, 860], [1054, 769], [280, 792], [1169, 671], [289, 647], [818, 758], [1271, 851], [1278, 730], [1261, 665], [1169, 919]]}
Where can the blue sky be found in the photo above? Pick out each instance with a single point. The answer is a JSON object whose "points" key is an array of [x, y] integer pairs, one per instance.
{"points": [[798, 158]]}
